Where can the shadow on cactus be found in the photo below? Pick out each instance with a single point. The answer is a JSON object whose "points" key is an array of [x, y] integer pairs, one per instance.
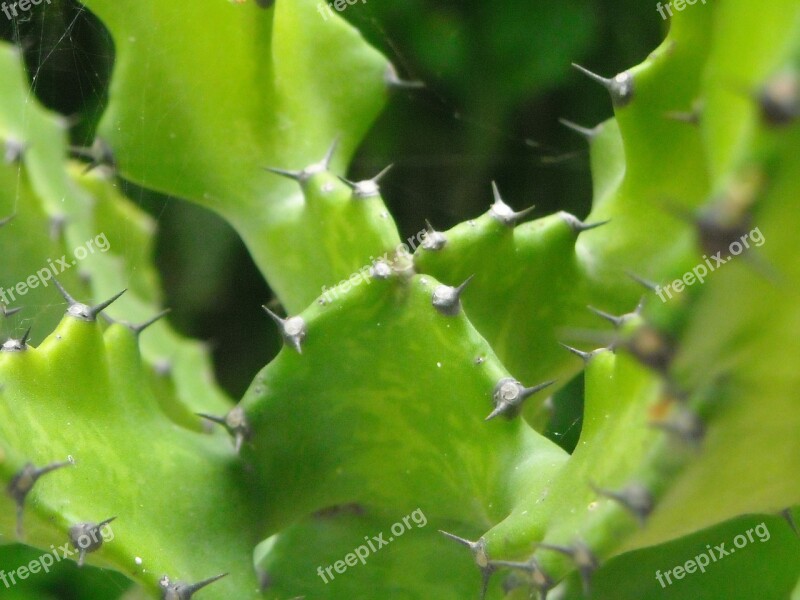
{"points": [[397, 446]]}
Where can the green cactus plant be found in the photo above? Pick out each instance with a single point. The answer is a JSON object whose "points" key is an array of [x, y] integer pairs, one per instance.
{"points": [[412, 388]]}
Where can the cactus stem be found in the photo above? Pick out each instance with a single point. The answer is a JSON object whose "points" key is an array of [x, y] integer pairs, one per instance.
{"points": [[589, 134], [447, 300], [184, 591], [583, 558], [433, 240], [393, 80], [368, 188], [304, 175], [82, 311], [509, 394], [635, 498], [503, 212], [89, 531], [579, 226], [478, 550], [620, 87], [293, 329], [22, 483], [235, 423]]}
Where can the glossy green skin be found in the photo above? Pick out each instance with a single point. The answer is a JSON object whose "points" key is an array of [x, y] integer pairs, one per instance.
{"points": [[384, 409]]}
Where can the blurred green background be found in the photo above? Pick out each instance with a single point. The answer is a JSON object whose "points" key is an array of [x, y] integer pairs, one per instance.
{"points": [[497, 79]]}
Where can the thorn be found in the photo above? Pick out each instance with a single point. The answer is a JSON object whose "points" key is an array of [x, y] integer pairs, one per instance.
{"points": [[636, 498], [433, 240], [8, 312], [393, 80], [57, 225], [579, 226], [446, 299], [20, 345], [541, 580], [368, 188], [478, 550], [620, 87], [7, 220], [779, 99], [22, 483], [138, 329], [82, 311], [589, 134], [651, 348], [509, 394], [586, 356], [184, 591], [645, 283], [14, 151], [90, 532], [583, 558], [293, 329], [503, 212], [684, 424], [99, 154], [787, 514], [235, 423], [381, 270], [616, 321], [303, 176], [690, 118]]}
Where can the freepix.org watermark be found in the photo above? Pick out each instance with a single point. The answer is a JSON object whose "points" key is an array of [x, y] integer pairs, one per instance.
{"points": [[375, 543], [679, 5], [718, 552], [700, 272], [91, 539], [10, 10], [54, 268]]}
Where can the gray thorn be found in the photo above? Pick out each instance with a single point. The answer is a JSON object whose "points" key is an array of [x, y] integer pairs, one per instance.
{"points": [[367, 188], [620, 87], [685, 424], [635, 498], [447, 299], [235, 423], [7, 220], [293, 329], [616, 321], [645, 283], [184, 591], [82, 311], [589, 134], [541, 580], [503, 212], [20, 345], [13, 152], [583, 558], [8, 312], [586, 356], [138, 329], [304, 175], [579, 226], [433, 240], [478, 550], [509, 394], [393, 80], [22, 483], [90, 531], [787, 514]]}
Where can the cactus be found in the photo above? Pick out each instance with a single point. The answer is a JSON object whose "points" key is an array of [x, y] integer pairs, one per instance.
{"points": [[414, 388]]}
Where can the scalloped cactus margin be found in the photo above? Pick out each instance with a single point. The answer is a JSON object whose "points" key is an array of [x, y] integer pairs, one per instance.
{"points": [[680, 425]]}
